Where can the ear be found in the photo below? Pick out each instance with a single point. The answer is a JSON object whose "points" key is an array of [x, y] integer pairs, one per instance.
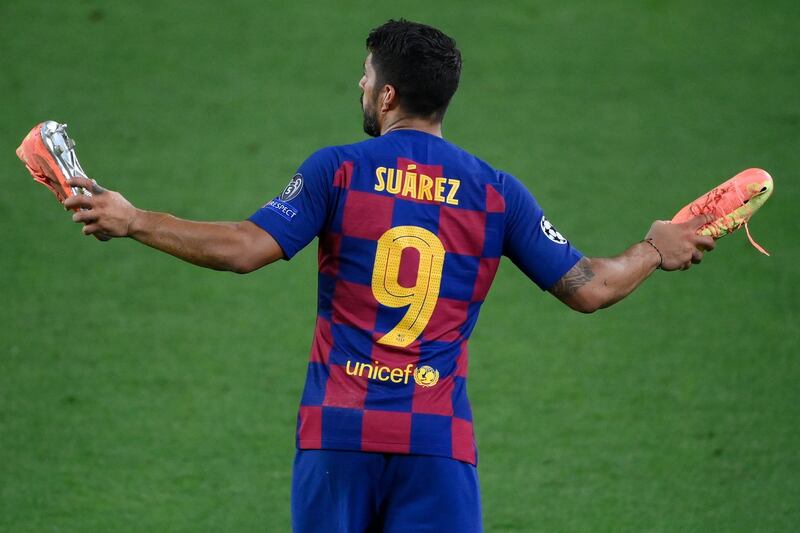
{"points": [[387, 98]]}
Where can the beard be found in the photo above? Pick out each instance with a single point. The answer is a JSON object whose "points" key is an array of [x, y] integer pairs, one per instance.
{"points": [[371, 126]]}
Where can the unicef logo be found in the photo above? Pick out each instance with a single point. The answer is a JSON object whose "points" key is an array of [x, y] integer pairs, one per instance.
{"points": [[293, 188], [551, 232], [426, 376]]}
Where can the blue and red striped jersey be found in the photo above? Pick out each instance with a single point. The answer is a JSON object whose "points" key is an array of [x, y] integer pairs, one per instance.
{"points": [[411, 231]]}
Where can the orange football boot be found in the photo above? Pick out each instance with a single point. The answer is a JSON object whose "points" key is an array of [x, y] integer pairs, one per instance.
{"points": [[732, 204], [49, 155]]}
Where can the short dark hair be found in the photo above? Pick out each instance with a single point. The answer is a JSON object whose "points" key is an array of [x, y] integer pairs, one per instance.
{"points": [[420, 62]]}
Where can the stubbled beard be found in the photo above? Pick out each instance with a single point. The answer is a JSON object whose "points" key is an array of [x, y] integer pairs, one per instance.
{"points": [[371, 126]]}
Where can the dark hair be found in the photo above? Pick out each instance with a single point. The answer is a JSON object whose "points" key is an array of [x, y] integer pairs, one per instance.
{"points": [[420, 62]]}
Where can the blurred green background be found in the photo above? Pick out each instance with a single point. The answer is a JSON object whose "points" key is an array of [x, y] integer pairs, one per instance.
{"points": [[139, 393]]}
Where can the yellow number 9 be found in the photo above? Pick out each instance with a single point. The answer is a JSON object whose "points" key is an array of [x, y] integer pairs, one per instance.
{"points": [[421, 298]]}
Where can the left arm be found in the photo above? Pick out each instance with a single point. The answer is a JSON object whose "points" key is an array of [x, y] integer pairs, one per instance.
{"points": [[596, 283]]}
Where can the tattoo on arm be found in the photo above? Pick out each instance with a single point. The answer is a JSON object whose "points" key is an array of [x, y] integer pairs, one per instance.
{"points": [[577, 277]]}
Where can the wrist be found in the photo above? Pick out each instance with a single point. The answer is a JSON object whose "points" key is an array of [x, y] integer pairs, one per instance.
{"points": [[655, 252], [136, 223]]}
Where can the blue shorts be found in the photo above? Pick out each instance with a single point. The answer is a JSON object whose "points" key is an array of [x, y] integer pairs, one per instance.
{"points": [[358, 492]]}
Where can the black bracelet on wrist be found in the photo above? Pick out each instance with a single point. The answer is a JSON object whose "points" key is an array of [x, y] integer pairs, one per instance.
{"points": [[660, 257]]}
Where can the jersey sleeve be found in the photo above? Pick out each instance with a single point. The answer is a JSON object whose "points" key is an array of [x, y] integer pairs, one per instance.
{"points": [[531, 241], [298, 214]]}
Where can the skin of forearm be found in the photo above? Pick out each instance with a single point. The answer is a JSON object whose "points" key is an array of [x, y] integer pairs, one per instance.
{"points": [[616, 277], [207, 244], [596, 283]]}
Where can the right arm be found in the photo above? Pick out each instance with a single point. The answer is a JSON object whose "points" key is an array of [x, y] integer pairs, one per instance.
{"points": [[239, 247], [234, 246]]}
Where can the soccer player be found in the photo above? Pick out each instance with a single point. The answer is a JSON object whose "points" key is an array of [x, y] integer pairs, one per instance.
{"points": [[411, 230]]}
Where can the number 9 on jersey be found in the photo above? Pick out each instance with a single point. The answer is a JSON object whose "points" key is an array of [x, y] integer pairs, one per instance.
{"points": [[419, 298]]}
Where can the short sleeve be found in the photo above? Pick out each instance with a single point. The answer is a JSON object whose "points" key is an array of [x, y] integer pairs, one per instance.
{"points": [[298, 214], [530, 240]]}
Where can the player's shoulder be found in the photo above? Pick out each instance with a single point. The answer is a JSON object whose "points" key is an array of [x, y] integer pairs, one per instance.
{"points": [[500, 179], [324, 155], [356, 148], [480, 167], [453, 156], [335, 155], [325, 162], [503, 182], [469, 159]]}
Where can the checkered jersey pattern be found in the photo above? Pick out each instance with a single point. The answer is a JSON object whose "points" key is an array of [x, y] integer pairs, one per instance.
{"points": [[361, 393]]}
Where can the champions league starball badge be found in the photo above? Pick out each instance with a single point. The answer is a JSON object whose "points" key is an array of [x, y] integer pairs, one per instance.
{"points": [[293, 188], [551, 232]]}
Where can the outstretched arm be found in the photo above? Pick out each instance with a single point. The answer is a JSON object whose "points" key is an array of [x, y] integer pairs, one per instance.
{"points": [[235, 246], [596, 283]]}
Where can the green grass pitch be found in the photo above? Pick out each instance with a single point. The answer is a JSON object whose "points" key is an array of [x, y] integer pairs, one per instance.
{"points": [[139, 393]]}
